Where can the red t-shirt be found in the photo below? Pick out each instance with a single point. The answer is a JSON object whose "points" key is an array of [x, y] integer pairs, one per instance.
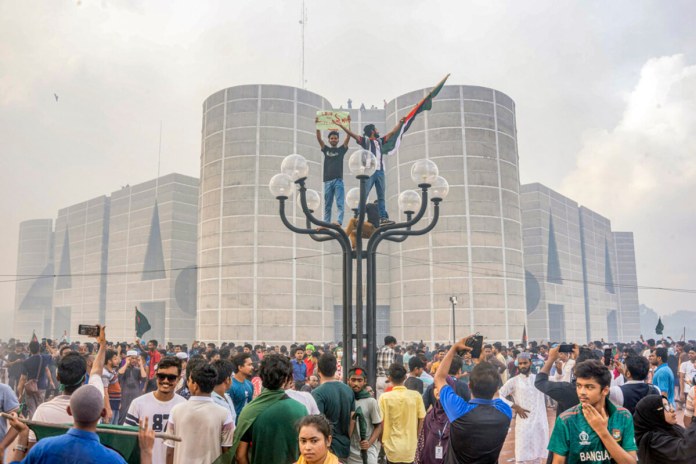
{"points": [[155, 358]]}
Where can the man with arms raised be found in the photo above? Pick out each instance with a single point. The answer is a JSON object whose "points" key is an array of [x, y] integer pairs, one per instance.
{"points": [[333, 177], [594, 431], [478, 427], [156, 406]]}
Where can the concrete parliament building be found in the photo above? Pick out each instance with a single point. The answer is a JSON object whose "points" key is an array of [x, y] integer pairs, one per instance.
{"points": [[240, 275]]}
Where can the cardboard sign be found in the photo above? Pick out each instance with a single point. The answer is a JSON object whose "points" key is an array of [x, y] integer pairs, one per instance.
{"points": [[326, 119]]}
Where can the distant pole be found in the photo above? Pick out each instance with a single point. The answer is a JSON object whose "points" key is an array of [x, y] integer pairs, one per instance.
{"points": [[453, 300], [303, 22]]}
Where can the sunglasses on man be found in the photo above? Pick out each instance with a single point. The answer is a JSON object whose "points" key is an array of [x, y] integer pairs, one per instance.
{"points": [[170, 377]]}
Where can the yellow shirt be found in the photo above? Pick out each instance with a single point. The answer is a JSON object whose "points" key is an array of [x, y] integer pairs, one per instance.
{"points": [[401, 410]]}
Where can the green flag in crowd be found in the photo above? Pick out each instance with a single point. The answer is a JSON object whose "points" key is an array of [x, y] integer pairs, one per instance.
{"points": [[659, 327], [125, 445], [142, 325]]}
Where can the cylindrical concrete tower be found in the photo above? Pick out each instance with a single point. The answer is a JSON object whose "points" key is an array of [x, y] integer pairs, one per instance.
{"points": [[257, 280], [475, 252]]}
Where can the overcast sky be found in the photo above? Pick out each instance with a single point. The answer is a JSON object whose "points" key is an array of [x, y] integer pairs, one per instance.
{"points": [[605, 95]]}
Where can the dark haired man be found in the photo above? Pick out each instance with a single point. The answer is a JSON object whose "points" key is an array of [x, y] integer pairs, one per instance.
{"points": [[415, 369], [156, 406], [71, 373], [112, 387], [371, 141], [299, 368], [80, 443], [385, 358], [477, 427], [336, 401], [564, 393], [199, 417], [635, 370], [14, 365], [154, 357], [595, 430], [663, 378], [461, 387], [367, 418], [402, 413], [242, 390], [532, 423], [333, 174], [35, 368], [269, 421], [130, 376], [224, 369]]}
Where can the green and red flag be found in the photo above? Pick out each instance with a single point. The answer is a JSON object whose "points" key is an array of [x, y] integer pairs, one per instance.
{"points": [[142, 325], [424, 105]]}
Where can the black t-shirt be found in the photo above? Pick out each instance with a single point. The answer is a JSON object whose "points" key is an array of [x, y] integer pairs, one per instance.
{"points": [[31, 369], [16, 369], [333, 161]]}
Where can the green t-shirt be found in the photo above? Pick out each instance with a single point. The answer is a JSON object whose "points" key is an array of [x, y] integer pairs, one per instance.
{"points": [[574, 438], [273, 436], [336, 401]]}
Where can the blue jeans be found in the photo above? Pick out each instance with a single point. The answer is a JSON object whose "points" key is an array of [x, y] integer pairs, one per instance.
{"points": [[333, 188], [377, 179]]}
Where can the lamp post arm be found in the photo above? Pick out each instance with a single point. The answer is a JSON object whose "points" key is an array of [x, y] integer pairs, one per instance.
{"points": [[410, 222], [400, 235], [345, 241], [329, 234], [299, 230]]}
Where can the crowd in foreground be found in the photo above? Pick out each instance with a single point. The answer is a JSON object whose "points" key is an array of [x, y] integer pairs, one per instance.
{"points": [[265, 405]]}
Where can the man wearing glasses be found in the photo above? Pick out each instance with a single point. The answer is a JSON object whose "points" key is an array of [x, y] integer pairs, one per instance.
{"points": [[158, 404]]}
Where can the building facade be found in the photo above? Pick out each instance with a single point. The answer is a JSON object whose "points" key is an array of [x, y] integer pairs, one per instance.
{"points": [[152, 258], [136, 247], [581, 282], [34, 287], [275, 286]]}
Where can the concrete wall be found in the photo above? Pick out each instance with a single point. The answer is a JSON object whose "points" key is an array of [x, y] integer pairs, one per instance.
{"points": [[33, 295], [152, 257], [259, 281], [475, 252]]}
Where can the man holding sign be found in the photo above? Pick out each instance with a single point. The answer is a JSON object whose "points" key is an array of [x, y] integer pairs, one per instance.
{"points": [[333, 171]]}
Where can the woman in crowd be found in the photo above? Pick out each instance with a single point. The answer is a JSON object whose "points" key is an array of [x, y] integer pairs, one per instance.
{"points": [[658, 436], [315, 440]]}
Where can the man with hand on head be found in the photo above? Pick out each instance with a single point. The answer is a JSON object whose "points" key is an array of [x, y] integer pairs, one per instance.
{"points": [[595, 430]]}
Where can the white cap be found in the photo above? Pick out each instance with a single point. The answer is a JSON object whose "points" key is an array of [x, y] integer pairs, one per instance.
{"points": [[182, 355], [131, 353]]}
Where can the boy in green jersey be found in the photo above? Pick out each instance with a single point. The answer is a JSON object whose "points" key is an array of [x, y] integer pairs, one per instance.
{"points": [[595, 431]]}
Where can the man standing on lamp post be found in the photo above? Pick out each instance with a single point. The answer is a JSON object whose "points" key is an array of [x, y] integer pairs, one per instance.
{"points": [[370, 140], [333, 173]]}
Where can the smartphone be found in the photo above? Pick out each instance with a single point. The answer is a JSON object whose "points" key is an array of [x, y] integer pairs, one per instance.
{"points": [[608, 355], [89, 330], [564, 348], [476, 344]]}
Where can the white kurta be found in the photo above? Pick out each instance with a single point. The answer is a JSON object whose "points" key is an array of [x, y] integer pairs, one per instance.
{"points": [[532, 433]]}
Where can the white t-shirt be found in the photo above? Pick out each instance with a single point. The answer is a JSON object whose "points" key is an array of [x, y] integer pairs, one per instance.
{"points": [[158, 413], [305, 398], [56, 410], [689, 370], [204, 427]]}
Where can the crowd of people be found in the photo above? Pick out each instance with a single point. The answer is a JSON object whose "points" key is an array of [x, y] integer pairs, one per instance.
{"points": [[263, 404]]}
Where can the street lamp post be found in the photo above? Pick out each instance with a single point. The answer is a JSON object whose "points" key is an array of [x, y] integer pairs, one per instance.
{"points": [[362, 164], [453, 300]]}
